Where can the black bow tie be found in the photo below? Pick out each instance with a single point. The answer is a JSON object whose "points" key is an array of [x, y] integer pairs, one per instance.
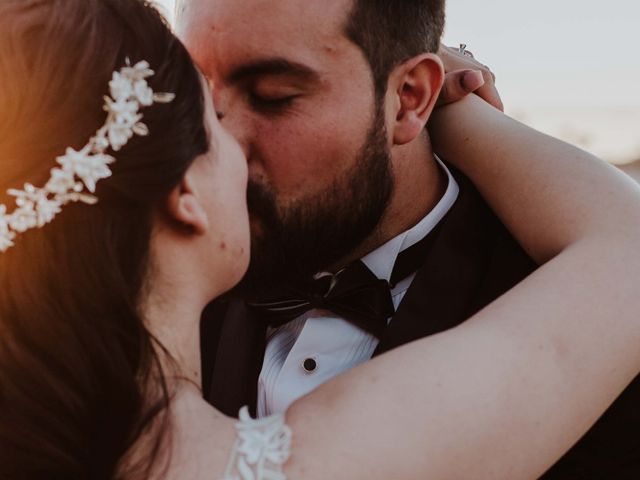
{"points": [[354, 293]]}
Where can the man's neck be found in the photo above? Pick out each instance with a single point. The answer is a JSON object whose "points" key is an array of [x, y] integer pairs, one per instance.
{"points": [[420, 183]]}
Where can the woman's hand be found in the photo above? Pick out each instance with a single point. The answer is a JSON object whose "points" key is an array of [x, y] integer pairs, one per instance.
{"points": [[465, 75]]}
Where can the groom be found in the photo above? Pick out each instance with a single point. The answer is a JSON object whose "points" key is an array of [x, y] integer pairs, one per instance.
{"points": [[363, 240]]}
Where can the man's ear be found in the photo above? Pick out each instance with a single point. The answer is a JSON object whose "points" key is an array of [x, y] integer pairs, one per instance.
{"points": [[417, 84], [184, 207]]}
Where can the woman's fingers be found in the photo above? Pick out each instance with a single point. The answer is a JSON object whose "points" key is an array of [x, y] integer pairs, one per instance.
{"points": [[455, 62], [459, 84]]}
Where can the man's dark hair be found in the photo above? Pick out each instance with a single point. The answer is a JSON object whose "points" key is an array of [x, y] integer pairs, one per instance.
{"points": [[390, 32]]}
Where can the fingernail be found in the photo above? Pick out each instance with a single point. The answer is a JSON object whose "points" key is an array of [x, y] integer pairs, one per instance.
{"points": [[472, 80]]}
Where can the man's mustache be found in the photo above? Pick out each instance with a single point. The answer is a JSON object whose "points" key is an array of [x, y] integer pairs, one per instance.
{"points": [[261, 202]]}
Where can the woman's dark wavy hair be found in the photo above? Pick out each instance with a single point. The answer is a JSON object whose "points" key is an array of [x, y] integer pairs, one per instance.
{"points": [[76, 360]]}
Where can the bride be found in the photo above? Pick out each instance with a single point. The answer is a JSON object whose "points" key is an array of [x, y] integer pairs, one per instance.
{"points": [[118, 227]]}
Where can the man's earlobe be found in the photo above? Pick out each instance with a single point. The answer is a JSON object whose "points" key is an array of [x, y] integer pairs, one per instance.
{"points": [[419, 81], [185, 208]]}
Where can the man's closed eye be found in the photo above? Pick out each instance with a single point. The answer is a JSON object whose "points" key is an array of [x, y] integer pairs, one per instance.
{"points": [[271, 104]]}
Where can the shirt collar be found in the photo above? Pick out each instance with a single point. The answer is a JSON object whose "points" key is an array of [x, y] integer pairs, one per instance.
{"points": [[382, 260]]}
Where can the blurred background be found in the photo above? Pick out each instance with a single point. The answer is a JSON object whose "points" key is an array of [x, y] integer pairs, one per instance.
{"points": [[570, 68]]}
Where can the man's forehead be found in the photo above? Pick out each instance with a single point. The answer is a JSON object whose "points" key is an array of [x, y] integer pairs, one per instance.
{"points": [[274, 19], [232, 33], [266, 7]]}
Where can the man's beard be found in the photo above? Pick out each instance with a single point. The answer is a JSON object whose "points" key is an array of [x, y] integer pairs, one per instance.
{"points": [[323, 229]]}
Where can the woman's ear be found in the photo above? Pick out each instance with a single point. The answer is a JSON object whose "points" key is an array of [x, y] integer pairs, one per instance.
{"points": [[417, 85], [184, 207]]}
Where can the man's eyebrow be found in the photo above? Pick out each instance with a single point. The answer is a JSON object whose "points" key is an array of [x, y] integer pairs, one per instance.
{"points": [[272, 66]]}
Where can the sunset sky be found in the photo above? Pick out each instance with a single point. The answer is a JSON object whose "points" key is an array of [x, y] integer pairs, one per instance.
{"points": [[570, 68]]}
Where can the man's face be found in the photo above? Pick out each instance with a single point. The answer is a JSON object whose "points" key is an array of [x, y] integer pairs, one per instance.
{"points": [[299, 97]]}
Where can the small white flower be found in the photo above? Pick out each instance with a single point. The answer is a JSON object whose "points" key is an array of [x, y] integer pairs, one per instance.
{"points": [[23, 219], [89, 168], [72, 158], [26, 197], [6, 240], [61, 181], [143, 93], [100, 141], [6, 235], [123, 111], [46, 210], [119, 135], [139, 71], [3, 214], [4, 220], [120, 87], [94, 169]]}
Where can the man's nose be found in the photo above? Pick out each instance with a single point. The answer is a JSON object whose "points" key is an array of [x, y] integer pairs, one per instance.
{"points": [[238, 127], [234, 120]]}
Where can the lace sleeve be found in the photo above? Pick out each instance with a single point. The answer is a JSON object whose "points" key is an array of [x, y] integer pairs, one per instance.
{"points": [[262, 448]]}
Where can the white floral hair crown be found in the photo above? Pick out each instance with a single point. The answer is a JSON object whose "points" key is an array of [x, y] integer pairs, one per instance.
{"points": [[79, 171]]}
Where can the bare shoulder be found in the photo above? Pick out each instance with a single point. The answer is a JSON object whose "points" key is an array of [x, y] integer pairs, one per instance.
{"points": [[198, 441]]}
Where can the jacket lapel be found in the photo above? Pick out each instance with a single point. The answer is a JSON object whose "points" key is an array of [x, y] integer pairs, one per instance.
{"points": [[239, 358], [442, 293]]}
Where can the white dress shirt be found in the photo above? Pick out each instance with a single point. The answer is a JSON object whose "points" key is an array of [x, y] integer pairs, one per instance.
{"points": [[319, 345]]}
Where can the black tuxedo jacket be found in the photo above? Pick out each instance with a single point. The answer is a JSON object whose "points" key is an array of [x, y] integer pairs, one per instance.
{"points": [[473, 260]]}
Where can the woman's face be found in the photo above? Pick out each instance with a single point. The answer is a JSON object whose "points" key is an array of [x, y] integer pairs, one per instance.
{"points": [[221, 179]]}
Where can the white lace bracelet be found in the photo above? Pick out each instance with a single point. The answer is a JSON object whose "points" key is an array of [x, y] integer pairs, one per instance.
{"points": [[261, 450]]}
